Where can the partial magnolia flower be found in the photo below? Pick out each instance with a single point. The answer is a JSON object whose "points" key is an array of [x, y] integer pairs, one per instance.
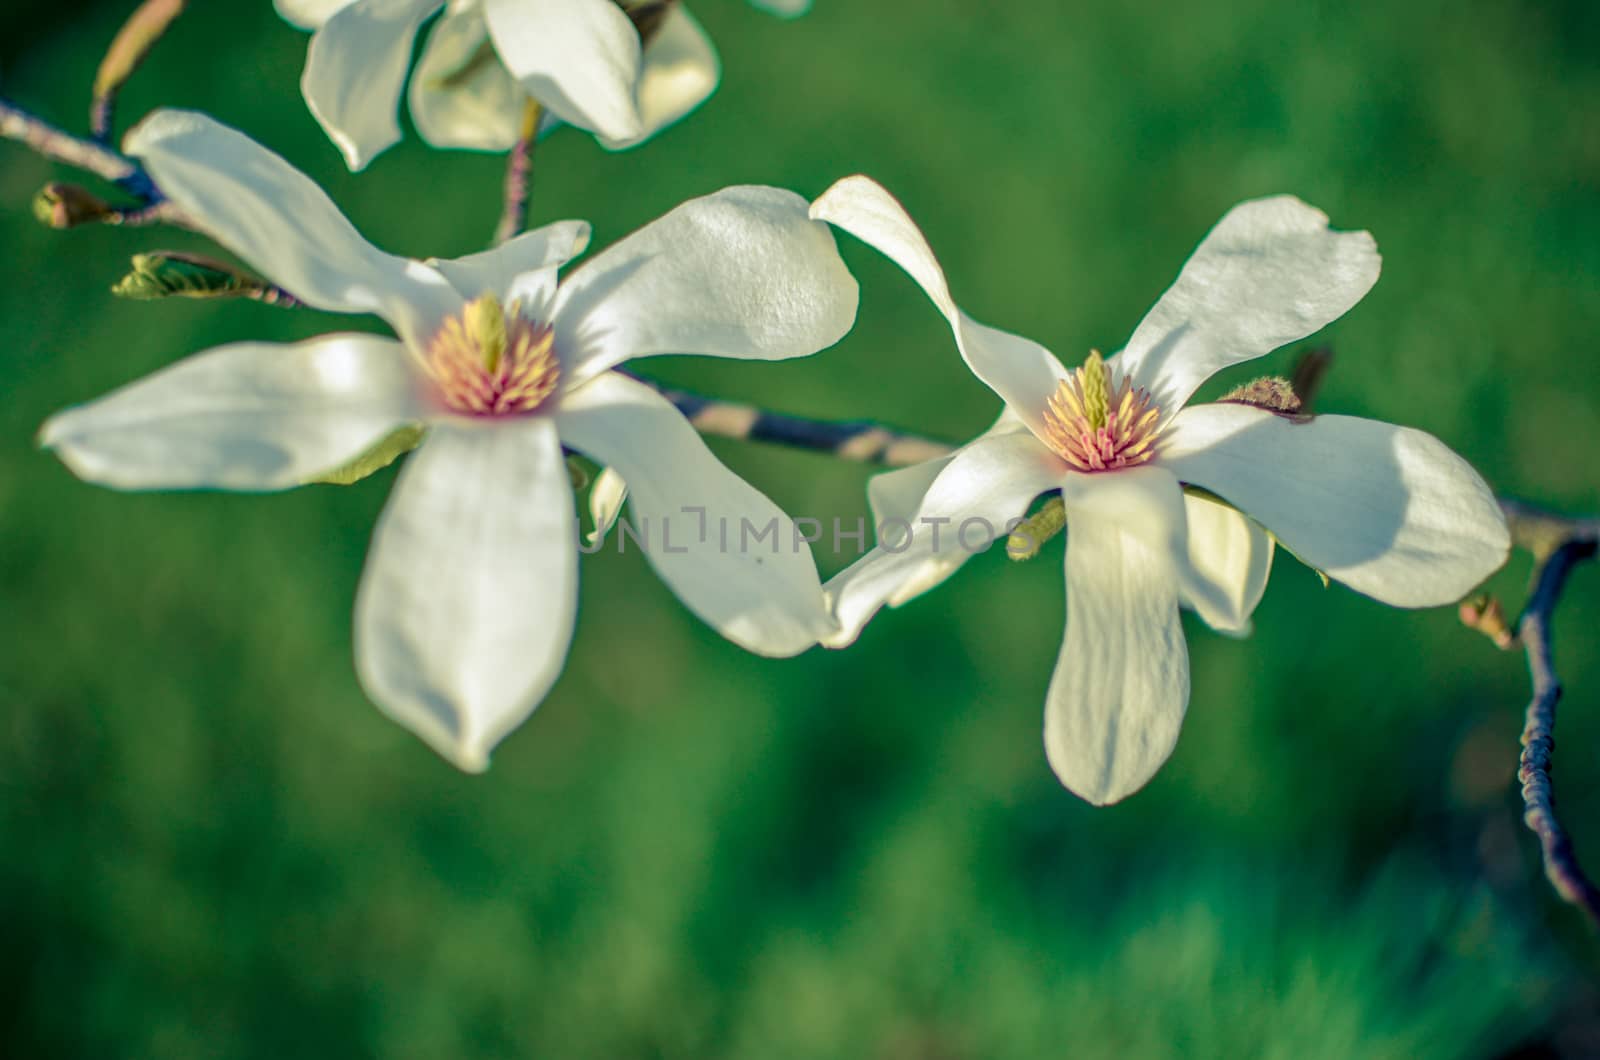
{"points": [[581, 60], [1154, 489], [466, 605]]}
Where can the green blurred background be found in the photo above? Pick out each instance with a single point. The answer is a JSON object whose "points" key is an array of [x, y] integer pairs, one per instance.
{"points": [[212, 846]]}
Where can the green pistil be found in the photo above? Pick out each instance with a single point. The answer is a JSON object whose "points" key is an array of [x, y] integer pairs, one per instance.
{"points": [[1095, 383], [486, 328]]}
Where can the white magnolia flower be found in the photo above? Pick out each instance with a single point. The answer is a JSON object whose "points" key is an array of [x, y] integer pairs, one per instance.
{"points": [[466, 606], [1387, 510], [580, 59]]}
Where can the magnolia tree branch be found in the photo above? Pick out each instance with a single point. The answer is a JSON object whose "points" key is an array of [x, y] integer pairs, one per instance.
{"points": [[519, 175], [862, 441], [76, 151], [1558, 545], [148, 23]]}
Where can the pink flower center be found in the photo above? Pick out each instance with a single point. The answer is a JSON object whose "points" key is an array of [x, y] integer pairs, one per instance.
{"points": [[1095, 426], [486, 361]]}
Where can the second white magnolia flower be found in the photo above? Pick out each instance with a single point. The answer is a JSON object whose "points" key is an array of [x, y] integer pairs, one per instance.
{"points": [[1389, 511], [467, 603]]}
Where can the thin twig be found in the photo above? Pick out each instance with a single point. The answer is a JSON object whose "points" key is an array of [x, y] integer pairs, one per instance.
{"points": [[53, 143], [148, 23], [519, 175], [862, 441]]}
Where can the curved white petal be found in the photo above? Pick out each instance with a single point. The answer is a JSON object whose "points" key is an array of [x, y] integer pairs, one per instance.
{"points": [[580, 58], [251, 416], [897, 494], [1121, 685], [972, 502], [739, 273], [784, 8], [355, 69], [272, 215], [703, 527], [1389, 511], [467, 602], [1232, 552], [308, 14], [493, 271], [461, 94], [1022, 372], [1269, 273], [606, 497], [680, 70]]}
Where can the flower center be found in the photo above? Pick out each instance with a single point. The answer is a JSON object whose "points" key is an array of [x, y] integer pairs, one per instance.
{"points": [[488, 362], [1097, 427]]}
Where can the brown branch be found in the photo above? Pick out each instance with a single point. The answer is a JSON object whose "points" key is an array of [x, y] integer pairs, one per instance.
{"points": [[148, 23], [519, 175], [60, 146], [1558, 545]]}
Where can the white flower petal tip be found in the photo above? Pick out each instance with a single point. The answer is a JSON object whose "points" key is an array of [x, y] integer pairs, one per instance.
{"points": [[250, 416], [355, 71], [1021, 372], [1270, 273], [467, 604], [1121, 685], [606, 498], [1389, 511], [580, 58], [732, 556], [680, 71]]}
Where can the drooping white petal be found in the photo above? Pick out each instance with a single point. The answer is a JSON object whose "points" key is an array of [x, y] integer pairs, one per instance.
{"points": [[1022, 372], [467, 602], [1269, 273], [308, 14], [680, 70], [461, 94], [1232, 552], [580, 58], [971, 503], [273, 216], [784, 8], [492, 271], [606, 497], [1389, 511], [1121, 685], [251, 416], [355, 69], [733, 558], [739, 273]]}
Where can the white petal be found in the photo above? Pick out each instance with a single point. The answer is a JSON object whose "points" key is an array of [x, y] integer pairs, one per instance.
{"points": [[492, 271], [580, 58], [972, 502], [355, 68], [1387, 510], [1022, 372], [784, 8], [308, 14], [606, 497], [897, 494], [1121, 684], [680, 71], [739, 273], [252, 416], [273, 216], [1231, 551], [467, 603], [1271, 272], [762, 593], [460, 97]]}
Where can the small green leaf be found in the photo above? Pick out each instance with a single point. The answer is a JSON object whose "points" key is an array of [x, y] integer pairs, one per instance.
{"points": [[164, 274], [380, 456]]}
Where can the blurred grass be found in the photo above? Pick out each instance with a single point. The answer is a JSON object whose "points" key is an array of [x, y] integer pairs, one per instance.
{"points": [[214, 847]]}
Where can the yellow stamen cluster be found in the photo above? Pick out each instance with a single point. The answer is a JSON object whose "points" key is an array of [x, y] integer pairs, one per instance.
{"points": [[490, 362], [1095, 426]]}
